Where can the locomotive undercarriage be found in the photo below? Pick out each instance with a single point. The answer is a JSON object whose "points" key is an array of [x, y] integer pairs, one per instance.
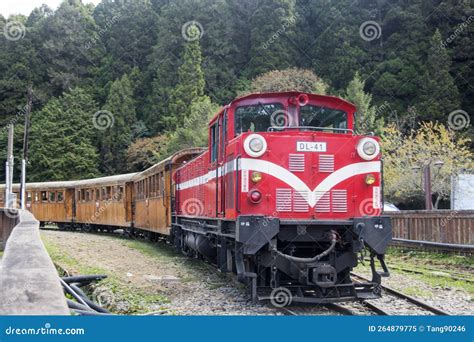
{"points": [[303, 261]]}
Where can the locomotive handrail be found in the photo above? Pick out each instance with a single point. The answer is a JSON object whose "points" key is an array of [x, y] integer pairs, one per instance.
{"points": [[271, 129]]}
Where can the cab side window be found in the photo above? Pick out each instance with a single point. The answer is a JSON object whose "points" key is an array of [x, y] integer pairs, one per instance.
{"points": [[214, 141]]}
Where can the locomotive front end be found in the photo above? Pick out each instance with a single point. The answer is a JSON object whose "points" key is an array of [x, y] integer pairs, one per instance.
{"points": [[308, 198]]}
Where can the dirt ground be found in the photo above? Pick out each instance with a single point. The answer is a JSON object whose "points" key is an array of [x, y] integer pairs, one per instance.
{"points": [[144, 278]]}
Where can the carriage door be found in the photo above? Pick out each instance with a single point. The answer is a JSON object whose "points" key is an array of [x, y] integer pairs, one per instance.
{"points": [[128, 198], [69, 204]]}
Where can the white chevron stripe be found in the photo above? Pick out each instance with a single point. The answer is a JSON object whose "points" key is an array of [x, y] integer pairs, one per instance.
{"points": [[272, 169], [297, 184]]}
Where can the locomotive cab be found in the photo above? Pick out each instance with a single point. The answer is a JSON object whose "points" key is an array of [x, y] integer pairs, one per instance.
{"points": [[289, 197]]}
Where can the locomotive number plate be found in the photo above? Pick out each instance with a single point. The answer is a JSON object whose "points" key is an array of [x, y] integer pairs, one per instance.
{"points": [[310, 146]]}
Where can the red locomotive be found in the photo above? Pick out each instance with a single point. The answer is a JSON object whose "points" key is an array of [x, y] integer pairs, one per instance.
{"points": [[287, 196]]}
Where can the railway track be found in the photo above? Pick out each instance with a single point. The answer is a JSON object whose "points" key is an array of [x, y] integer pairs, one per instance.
{"points": [[398, 303]]}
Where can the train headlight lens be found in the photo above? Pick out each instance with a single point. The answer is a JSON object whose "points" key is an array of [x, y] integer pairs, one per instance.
{"points": [[255, 196], [370, 179], [368, 148], [255, 145], [256, 177]]}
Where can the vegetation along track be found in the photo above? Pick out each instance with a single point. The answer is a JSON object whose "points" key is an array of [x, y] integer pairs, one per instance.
{"points": [[395, 302]]}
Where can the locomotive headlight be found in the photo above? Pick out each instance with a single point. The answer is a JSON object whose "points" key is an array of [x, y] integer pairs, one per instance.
{"points": [[256, 177], [368, 148], [255, 145], [369, 179]]}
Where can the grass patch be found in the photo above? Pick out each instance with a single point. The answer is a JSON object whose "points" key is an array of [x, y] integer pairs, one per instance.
{"points": [[430, 258], [147, 248]]}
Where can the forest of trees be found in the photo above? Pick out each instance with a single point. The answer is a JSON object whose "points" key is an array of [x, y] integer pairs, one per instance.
{"points": [[121, 85]]}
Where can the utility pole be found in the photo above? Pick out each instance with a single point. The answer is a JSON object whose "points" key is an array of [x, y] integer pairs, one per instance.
{"points": [[26, 135], [427, 186], [9, 170]]}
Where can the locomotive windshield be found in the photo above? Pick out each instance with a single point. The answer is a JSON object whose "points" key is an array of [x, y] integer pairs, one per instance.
{"points": [[257, 118], [316, 116], [262, 117]]}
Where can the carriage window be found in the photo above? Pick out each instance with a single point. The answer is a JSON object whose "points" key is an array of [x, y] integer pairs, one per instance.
{"points": [[153, 186], [52, 196], [162, 181], [316, 116], [120, 193], [60, 196], [44, 196], [103, 197], [28, 197], [88, 195], [259, 117], [97, 194], [214, 141], [83, 195]]}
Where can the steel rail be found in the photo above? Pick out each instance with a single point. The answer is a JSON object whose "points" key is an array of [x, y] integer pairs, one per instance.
{"points": [[406, 297]]}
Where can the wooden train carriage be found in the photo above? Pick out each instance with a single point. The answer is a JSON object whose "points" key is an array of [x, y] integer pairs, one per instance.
{"points": [[154, 193], [48, 201], [105, 201]]}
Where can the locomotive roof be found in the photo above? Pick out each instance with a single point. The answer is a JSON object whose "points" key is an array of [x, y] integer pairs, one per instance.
{"points": [[335, 99]]}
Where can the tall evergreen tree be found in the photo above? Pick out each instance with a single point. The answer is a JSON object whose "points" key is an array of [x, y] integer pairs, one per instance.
{"points": [[62, 134], [113, 144], [367, 118], [190, 85], [439, 94], [194, 131], [272, 22]]}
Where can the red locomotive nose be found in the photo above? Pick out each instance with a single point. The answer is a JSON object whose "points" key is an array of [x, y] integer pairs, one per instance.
{"points": [[255, 196]]}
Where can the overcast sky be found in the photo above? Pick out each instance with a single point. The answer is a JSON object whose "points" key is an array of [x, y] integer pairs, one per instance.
{"points": [[25, 7]]}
